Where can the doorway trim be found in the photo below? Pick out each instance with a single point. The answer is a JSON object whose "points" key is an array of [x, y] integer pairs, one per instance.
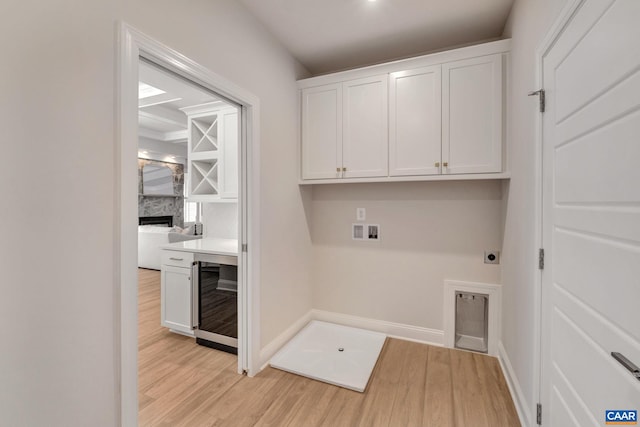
{"points": [[549, 40], [133, 45]]}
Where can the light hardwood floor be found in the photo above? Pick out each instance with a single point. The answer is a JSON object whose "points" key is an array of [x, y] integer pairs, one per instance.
{"points": [[183, 384]]}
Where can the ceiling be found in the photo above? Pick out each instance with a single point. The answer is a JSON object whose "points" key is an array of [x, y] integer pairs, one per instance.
{"points": [[162, 126], [332, 35]]}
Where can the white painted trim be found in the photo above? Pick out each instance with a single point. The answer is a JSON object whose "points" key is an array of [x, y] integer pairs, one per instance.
{"points": [[519, 400], [452, 177], [132, 45], [276, 344], [176, 136], [545, 46], [490, 48], [495, 308], [391, 329]]}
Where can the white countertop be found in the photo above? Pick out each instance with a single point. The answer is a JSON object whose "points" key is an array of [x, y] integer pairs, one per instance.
{"points": [[212, 246]]}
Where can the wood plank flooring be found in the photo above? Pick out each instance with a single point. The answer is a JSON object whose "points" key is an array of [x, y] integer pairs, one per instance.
{"points": [[183, 384]]}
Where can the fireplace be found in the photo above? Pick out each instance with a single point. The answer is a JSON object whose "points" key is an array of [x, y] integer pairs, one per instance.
{"points": [[156, 220]]}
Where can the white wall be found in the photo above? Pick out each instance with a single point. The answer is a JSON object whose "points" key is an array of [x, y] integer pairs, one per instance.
{"points": [[430, 231], [527, 25], [57, 364], [220, 220]]}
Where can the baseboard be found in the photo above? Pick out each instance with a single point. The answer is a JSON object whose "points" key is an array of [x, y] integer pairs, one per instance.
{"points": [[393, 330], [272, 348], [524, 412]]}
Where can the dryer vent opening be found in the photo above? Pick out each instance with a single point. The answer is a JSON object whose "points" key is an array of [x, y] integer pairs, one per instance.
{"points": [[472, 321]]}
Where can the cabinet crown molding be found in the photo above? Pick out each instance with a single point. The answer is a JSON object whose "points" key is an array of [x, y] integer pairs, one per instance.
{"points": [[490, 48]]}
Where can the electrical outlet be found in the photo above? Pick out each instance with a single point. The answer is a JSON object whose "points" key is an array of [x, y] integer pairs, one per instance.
{"points": [[492, 257], [361, 214]]}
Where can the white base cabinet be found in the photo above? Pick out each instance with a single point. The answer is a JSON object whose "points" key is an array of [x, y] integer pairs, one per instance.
{"points": [[176, 292]]}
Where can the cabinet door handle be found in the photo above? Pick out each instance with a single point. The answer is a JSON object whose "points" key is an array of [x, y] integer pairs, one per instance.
{"points": [[337, 169], [176, 259], [195, 295], [437, 164], [445, 164], [344, 169]]}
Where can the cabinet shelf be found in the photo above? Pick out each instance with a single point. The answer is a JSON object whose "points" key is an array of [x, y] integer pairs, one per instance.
{"points": [[212, 155], [204, 134], [460, 177], [204, 155], [204, 177]]}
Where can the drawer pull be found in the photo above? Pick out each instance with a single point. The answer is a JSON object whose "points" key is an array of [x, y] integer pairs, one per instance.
{"points": [[176, 259]]}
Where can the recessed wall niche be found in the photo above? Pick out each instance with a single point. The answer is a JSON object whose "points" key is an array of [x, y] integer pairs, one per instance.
{"points": [[161, 205]]}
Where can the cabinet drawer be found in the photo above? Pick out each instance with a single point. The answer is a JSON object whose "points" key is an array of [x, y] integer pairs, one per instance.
{"points": [[177, 258]]}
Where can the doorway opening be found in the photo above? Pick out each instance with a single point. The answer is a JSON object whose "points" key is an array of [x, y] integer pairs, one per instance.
{"points": [[141, 57]]}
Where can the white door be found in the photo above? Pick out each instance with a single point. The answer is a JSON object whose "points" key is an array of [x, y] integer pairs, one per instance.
{"points": [[472, 115], [365, 138], [322, 132], [415, 125], [591, 215]]}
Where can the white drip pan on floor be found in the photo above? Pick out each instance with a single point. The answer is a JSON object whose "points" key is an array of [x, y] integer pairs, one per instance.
{"points": [[335, 354]]}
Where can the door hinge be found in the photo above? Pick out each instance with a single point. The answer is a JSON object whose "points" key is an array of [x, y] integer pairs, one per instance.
{"points": [[539, 414], [541, 259], [541, 94], [245, 247]]}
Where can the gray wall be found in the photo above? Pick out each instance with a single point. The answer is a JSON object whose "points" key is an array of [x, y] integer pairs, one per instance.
{"points": [[60, 340], [528, 24], [429, 232]]}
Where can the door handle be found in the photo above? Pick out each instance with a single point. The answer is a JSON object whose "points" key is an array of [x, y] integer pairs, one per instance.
{"points": [[627, 364], [195, 297]]}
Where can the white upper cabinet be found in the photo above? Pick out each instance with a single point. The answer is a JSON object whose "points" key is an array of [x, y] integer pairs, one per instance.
{"points": [[322, 132], [365, 134], [415, 122], [434, 117], [212, 153], [344, 129], [229, 158], [472, 115]]}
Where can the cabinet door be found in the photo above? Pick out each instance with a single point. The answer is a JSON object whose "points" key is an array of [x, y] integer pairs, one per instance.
{"points": [[228, 136], [176, 298], [365, 139], [321, 155], [472, 115], [415, 138]]}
